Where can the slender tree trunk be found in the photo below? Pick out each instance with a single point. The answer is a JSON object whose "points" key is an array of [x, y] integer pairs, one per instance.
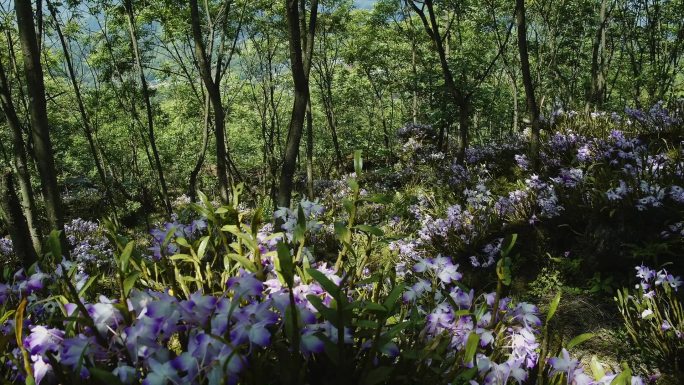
{"points": [[214, 92], [309, 151], [597, 89], [464, 109], [460, 99], [527, 82], [19, 161], [414, 72], [42, 145], [192, 185], [300, 62], [326, 94], [148, 105], [13, 216], [87, 128], [514, 91]]}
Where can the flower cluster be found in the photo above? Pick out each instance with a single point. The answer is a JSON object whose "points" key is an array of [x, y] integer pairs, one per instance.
{"points": [[89, 245], [576, 374], [162, 244], [6, 248], [503, 329], [312, 212], [221, 331], [22, 285]]}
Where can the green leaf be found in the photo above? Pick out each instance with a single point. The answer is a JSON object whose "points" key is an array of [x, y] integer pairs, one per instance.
{"points": [[182, 242], [286, 264], [510, 242], [579, 339], [471, 347], [467, 375], [596, 368], [105, 376], [378, 198], [202, 249], [129, 282], [374, 307], [553, 306], [377, 375], [367, 324], [624, 378], [393, 296], [358, 163], [205, 200], [85, 287], [245, 238], [370, 230], [257, 220], [125, 257], [503, 270], [244, 261], [326, 283], [54, 245], [342, 232], [353, 184], [348, 205], [327, 313], [6, 316]]}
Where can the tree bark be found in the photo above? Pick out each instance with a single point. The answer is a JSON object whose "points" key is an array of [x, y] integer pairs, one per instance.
{"points": [[527, 82], [128, 4], [301, 47], [40, 129], [214, 93], [19, 161], [597, 90], [13, 215], [192, 186], [309, 151], [460, 98]]}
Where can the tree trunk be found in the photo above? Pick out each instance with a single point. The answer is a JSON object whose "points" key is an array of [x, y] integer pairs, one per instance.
{"points": [[309, 151], [527, 82], [214, 92], [148, 104], [414, 72], [325, 86], [463, 128], [42, 145], [19, 161], [514, 91], [13, 216], [192, 185], [87, 128], [597, 91], [300, 62], [460, 99]]}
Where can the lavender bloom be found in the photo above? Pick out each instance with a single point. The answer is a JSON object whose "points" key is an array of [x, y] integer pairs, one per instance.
{"points": [[161, 374], [584, 153], [76, 349], [105, 316], [126, 374], [198, 309], [527, 314], [6, 248], [40, 368], [43, 339], [245, 284]]}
